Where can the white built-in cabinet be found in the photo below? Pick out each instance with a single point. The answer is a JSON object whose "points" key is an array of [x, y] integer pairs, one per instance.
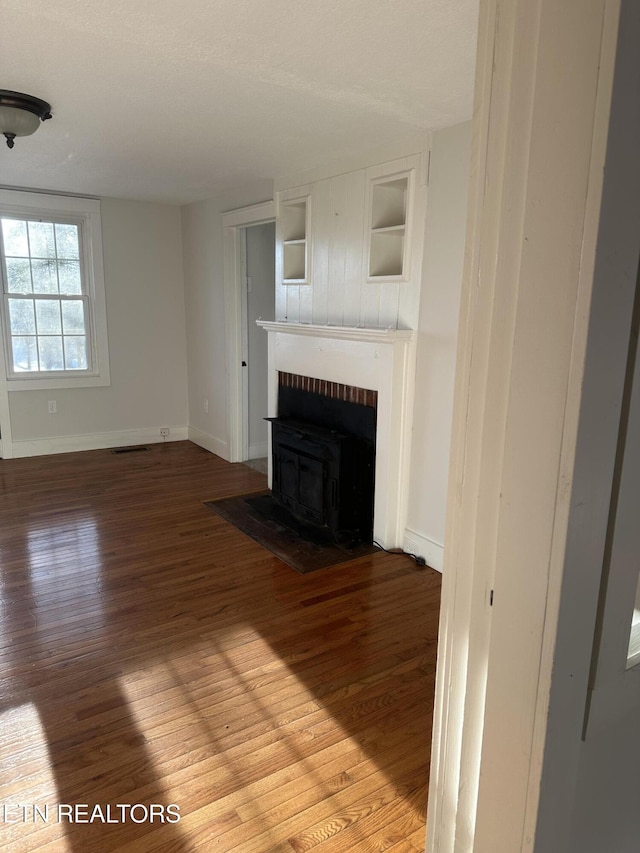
{"points": [[349, 247]]}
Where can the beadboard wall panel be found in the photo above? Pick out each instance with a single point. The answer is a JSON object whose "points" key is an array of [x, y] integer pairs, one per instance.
{"points": [[338, 240], [338, 292], [355, 229]]}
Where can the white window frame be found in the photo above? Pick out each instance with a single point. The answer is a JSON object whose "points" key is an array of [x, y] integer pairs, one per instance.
{"points": [[86, 212]]}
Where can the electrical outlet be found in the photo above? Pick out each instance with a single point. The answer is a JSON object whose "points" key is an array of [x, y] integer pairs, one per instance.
{"points": [[164, 431], [53, 408], [205, 406]]}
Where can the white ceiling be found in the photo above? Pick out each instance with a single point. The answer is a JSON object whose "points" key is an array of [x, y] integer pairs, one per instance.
{"points": [[177, 100]]}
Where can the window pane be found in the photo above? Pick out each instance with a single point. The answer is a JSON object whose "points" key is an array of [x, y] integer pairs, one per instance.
{"points": [[25, 354], [75, 352], [41, 240], [67, 241], [21, 318], [73, 317], [44, 277], [18, 275], [50, 349], [48, 316], [14, 234], [69, 272]]}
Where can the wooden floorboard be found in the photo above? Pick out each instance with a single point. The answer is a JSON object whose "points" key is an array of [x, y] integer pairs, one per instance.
{"points": [[152, 654]]}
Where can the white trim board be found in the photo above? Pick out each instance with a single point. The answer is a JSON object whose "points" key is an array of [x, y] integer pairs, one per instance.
{"points": [[527, 287], [422, 546], [95, 441], [232, 224], [209, 442]]}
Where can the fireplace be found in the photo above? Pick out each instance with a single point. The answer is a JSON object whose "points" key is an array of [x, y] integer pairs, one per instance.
{"points": [[379, 360], [323, 453]]}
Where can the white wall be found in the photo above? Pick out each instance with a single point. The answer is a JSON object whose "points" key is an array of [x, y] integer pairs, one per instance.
{"points": [[605, 814], [437, 336], [205, 311], [146, 324], [589, 796], [261, 304]]}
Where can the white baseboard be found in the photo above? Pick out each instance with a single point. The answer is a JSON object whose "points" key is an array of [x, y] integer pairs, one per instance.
{"points": [[209, 442], [433, 552], [95, 441], [258, 451]]}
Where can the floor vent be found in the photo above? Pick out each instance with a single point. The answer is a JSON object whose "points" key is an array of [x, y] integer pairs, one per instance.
{"points": [[135, 449]]}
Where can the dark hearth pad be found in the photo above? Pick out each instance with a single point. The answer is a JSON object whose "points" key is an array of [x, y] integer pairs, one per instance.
{"points": [[301, 546]]}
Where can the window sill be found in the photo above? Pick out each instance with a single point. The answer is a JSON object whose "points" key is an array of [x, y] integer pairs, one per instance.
{"points": [[42, 384]]}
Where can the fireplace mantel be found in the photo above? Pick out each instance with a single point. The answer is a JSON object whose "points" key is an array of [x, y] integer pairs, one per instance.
{"points": [[349, 333], [382, 360]]}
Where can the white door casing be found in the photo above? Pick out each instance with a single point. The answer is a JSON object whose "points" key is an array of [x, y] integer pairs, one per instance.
{"points": [[233, 223], [543, 95]]}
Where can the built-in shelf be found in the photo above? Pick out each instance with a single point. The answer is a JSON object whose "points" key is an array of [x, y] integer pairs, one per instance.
{"points": [[391, 229], [294, 216], [387, 243]]}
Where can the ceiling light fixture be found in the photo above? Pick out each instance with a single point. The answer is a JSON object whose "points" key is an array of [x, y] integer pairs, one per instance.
{"points": [[20, 115]]}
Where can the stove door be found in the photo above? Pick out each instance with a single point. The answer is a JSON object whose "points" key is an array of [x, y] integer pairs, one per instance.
{"points": [[301, 483]]}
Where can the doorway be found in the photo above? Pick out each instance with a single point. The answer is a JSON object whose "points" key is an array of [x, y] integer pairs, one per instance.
{"points": [[235, 224], [259, 303]]}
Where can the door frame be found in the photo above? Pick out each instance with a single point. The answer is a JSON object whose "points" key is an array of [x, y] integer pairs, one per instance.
{"points": [[233, 224], [500, 656]]}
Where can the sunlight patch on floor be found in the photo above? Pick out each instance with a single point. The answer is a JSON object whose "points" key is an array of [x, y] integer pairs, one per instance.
{"points": [[24, 756], [250, 744]]}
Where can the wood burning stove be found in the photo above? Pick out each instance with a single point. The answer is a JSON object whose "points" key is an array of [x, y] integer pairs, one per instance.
{"points": [[323, 454], [324, 477]]}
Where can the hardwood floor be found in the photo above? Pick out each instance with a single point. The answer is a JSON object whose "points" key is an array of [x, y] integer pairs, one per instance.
{"points": [[154, 655]]}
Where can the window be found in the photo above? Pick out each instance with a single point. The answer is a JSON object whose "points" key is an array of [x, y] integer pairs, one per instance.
{"points": [[54, 323], [45, 302]]}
